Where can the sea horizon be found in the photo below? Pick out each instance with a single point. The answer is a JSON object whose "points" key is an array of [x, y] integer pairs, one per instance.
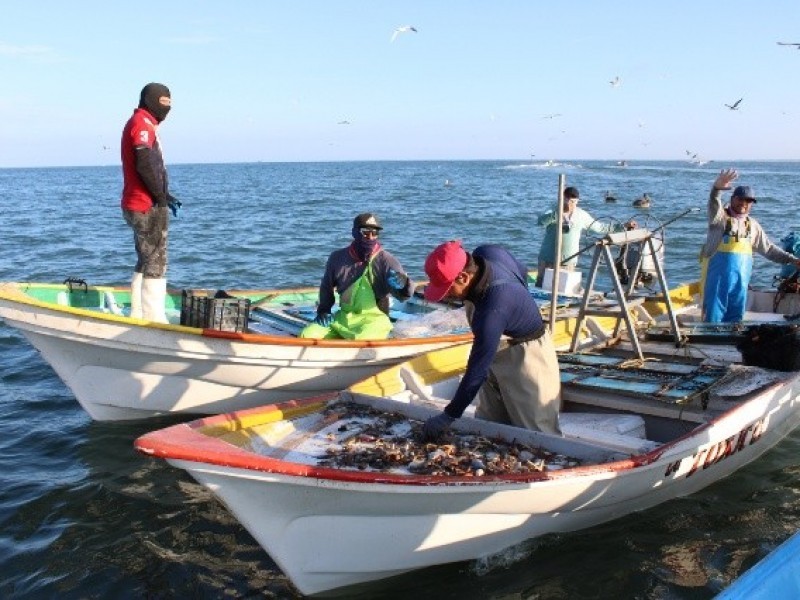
{"points": [[428, 160]]}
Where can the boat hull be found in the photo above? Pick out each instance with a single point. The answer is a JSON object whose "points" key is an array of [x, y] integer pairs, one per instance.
{"points": [[119, 369], [379, 528]]}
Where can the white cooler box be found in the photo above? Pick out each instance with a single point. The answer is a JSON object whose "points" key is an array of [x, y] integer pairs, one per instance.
{"points": [[622, 432], [569, 282]]}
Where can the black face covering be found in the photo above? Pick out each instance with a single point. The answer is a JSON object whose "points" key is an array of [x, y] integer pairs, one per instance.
{"points": [[148, 100]]}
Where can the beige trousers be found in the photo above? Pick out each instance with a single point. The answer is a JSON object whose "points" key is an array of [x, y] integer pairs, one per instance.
{"points": [[523, 387]]}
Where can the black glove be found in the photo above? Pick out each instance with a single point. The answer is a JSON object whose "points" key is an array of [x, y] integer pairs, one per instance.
{"points": [[174, 204], [435, 427], [324, 319]]}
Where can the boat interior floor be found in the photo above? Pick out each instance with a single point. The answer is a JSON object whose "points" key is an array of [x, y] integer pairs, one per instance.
{"points": [[672, 393]]}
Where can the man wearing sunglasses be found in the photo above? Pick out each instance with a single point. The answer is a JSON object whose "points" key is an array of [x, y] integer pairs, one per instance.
{"points": [[364, 275], [576, 220], [727, 257]]}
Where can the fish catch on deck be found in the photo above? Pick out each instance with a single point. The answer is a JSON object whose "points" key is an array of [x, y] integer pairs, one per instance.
{"points": [[375, 440]]}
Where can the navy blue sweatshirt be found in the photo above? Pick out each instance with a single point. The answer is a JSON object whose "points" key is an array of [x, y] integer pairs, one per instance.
{"points": [[503, 305]]}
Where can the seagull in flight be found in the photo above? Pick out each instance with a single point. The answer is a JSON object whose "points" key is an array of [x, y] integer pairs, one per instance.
{"points": [[795, 44], [615, 82], [551, 116], [695, 158], [403, 29], [735, 105]]}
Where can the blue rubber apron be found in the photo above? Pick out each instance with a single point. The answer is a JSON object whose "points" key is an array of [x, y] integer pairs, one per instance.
{"points": [[727, 274]]}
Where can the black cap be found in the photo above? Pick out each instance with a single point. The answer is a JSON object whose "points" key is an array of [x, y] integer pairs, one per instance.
{"points": [[367, 220], [744, 191], [571, 192]]}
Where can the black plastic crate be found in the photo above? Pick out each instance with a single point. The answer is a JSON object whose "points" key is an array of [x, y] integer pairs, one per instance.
{"points": [[222, 311]]}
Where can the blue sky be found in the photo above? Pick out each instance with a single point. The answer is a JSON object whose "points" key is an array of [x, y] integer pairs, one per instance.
{"points": [[275, 81]]}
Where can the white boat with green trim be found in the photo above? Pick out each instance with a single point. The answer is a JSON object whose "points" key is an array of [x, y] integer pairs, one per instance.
{"points": [[123, 368]]}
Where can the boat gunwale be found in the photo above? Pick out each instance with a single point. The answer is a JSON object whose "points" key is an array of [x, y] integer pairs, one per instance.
{"points": [[17, 295], [188, 442]]}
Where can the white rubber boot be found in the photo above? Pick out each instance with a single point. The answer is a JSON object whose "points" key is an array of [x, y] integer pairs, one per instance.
{"points": [[154, 297], [136, 296]]}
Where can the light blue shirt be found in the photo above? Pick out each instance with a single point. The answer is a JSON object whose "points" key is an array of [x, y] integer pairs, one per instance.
{"points": [[578, 221]]}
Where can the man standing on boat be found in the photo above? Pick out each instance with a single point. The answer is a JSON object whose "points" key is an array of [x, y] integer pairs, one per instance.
{"points": [[575, 221], [146, 201], [727, 256], [364, 275], [518, 382]]}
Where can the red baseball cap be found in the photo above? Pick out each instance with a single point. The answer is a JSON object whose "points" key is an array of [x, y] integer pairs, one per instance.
{"points": [[442, 267]]}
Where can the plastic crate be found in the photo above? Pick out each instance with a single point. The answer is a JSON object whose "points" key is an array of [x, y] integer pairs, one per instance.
{"points": [[221, 311]]}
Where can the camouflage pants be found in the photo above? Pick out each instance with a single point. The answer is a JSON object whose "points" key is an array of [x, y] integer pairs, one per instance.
{"points": [[150, 239]]}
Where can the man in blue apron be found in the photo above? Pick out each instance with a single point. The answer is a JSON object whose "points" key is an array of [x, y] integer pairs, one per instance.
{"points": [[516, 379], [727, 257], [364, 275]]}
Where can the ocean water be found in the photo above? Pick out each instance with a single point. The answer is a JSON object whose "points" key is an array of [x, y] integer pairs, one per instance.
{"points": [[82, 515]]}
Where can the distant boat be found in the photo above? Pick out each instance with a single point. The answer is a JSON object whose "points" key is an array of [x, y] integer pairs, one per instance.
{"points": [[609, 198], [643, 201], [622, 163]]}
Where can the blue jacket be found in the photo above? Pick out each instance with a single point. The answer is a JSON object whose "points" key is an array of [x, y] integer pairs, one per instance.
{"points": [[503, 306]]}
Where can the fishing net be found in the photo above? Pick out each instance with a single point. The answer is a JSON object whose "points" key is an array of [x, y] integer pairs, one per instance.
{"points": [[437, 322]]}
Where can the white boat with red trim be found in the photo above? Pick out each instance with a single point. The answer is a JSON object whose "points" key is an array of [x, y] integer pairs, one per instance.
{"points": [[339, 491]]}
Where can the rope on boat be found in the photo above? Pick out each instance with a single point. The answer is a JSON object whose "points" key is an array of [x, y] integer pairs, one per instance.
{"points": [[637, 363]]}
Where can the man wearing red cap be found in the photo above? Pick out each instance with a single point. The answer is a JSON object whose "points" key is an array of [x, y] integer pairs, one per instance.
{"points": [[727, 257], [517, 382]]}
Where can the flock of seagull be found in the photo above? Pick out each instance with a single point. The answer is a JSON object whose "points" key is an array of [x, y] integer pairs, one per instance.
{"points": [[735, 106], [615, 82]]}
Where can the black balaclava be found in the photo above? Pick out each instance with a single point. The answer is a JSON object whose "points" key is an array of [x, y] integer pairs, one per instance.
{"points": [[363, 247], [148, 100]]}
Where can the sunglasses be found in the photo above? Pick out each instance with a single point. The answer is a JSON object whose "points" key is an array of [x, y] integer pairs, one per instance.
{"points": [[565, 227], [369, 232]]}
